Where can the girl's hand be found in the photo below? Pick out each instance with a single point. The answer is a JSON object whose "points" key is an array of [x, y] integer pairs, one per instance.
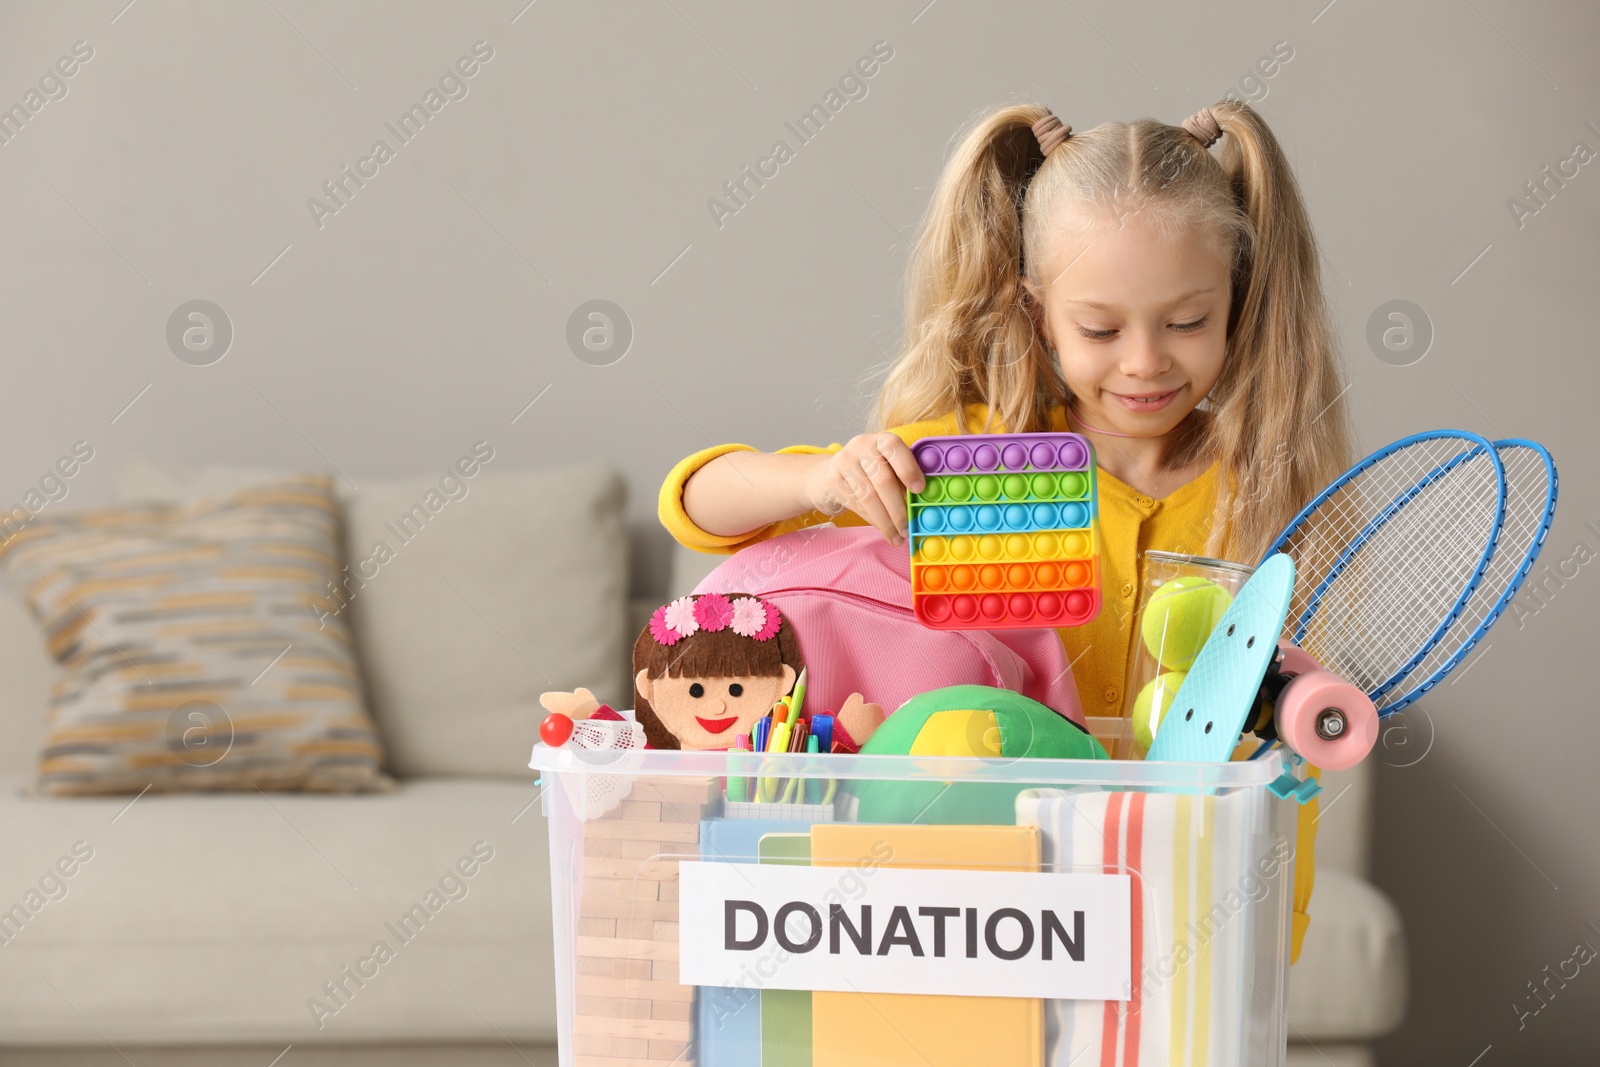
{"points": [[869, 476]]}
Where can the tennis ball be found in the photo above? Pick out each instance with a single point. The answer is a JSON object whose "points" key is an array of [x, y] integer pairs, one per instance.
{"points": [[1179, 617], [1152, 703]]}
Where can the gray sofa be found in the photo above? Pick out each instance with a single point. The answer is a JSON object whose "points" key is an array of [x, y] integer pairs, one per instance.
{"points": [[208, 928]]}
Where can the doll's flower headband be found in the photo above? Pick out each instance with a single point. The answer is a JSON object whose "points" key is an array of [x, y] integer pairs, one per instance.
{"points": [[747, 616]]}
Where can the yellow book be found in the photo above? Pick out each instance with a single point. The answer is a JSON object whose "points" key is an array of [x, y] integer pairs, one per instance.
{"points": [[915, 1030]]}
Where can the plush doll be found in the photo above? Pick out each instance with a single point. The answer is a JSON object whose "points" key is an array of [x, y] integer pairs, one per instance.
{"points": [[707, 667], [855, 723]]}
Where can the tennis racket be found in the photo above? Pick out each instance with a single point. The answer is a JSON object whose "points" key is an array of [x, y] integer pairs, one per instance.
{"points": [[1531, 488], [1389, 556]]}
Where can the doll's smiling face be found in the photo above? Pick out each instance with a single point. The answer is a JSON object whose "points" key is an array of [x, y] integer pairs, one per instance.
{"points": [[708, 713]]}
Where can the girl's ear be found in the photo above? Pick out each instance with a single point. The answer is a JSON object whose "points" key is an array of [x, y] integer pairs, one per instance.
{"points": [[641, 685]]}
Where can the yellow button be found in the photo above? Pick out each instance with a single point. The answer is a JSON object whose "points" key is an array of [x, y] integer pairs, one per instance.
{"points": [[1111, 694], [1127, 589], [1143, 501]]}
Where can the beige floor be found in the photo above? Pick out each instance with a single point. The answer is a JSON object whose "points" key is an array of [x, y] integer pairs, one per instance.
{"points": [[453, 1056], [305, 1056]]}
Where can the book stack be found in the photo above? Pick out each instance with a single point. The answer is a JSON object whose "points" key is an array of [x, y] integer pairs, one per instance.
{"points": [[631, 1010]]}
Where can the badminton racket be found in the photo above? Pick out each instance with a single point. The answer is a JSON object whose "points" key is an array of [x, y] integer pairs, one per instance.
{"points": [[1389, 556], [1531, 488]]}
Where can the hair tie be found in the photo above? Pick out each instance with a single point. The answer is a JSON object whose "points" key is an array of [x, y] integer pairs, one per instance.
{"points": [[1050, 132], [1204, 127]]}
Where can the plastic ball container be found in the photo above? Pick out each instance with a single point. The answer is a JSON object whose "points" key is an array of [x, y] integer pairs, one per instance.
{"points": [[1180, 599]]}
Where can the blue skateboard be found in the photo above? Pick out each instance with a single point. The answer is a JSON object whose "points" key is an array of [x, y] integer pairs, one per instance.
{"points": [[1245, 678], [1222, 691]]}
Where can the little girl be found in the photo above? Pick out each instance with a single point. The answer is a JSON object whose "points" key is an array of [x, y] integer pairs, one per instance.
{"points": [[1123, 283]]}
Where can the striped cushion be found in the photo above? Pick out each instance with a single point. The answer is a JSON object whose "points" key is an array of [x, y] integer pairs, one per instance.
{"points": [[192, 651]]}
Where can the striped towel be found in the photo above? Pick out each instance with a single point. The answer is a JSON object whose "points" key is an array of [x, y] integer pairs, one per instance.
{"points": [[1194, 924]]}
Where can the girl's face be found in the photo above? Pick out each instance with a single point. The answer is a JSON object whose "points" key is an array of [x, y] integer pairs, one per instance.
{"points": [[710, 712], [1139, 321]]}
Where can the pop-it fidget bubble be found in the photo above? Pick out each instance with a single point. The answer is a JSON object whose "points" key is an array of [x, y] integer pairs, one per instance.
{"points": [[1003, 534]]}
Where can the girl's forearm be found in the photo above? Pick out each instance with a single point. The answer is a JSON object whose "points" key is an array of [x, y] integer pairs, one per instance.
{"points": [[743, 491]]}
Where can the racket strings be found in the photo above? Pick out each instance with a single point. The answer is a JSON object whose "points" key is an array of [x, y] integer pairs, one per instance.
{"points": [[1530, 506], [1384, 561], [1338, 520], [1393, 596]]}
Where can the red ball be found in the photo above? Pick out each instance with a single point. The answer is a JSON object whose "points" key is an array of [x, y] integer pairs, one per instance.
{"points": [[555, 729]]}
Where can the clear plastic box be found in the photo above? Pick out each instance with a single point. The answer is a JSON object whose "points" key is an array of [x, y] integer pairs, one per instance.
{"points": [[1125, 904]]}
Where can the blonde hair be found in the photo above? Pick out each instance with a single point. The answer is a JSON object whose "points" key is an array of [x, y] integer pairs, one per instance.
{"points": [[970, 336]]}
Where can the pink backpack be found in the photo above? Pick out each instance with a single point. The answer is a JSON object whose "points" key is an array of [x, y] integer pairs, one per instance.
{"points": [[848, 593]]}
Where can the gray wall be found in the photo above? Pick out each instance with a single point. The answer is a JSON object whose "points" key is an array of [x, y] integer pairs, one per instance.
{"points": [[432, 308]]}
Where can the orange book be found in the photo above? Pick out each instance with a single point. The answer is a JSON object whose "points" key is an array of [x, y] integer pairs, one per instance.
{"points": [[884, 1029]]}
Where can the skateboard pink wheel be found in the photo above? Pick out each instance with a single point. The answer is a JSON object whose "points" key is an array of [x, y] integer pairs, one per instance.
{"points": [[1296, 660], [1326, 720]]}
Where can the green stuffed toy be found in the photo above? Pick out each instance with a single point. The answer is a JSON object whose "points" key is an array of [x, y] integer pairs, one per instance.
{"points": [[966, 720]]}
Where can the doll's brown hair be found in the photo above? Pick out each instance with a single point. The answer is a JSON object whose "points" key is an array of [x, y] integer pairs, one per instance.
{"points": [[709, 654]]}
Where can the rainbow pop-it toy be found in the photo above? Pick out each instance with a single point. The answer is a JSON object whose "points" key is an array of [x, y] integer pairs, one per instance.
{"points": [[1003, 535]]}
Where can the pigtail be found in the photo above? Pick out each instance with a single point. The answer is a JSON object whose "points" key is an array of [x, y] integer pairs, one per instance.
{"points": [[1279, 424], [1275, 422], [969, 335]]}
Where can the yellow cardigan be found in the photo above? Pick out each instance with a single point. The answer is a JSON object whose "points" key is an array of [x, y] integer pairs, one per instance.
{"points": [[1130, 523]]}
